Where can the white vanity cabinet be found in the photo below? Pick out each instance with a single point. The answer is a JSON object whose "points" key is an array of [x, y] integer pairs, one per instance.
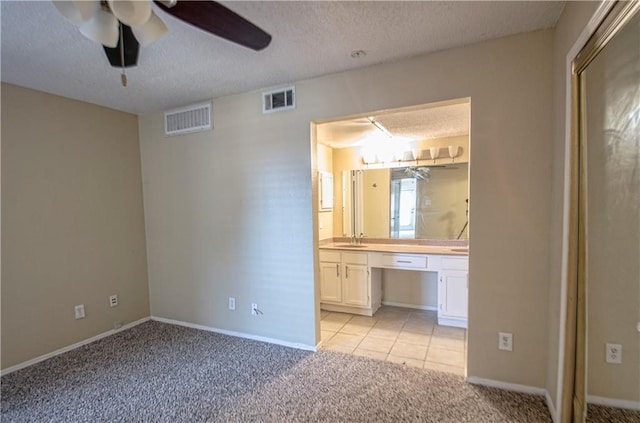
{"points": [[346, 283], [331, 281], [355, 283], [453, 287], [351, 281]]}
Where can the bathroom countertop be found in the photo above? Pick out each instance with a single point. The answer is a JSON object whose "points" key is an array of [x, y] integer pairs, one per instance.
{"points": [[399, 248]]}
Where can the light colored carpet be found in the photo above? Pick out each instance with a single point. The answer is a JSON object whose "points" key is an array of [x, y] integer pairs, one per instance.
{"points": [[600, 414], [157, 372]]}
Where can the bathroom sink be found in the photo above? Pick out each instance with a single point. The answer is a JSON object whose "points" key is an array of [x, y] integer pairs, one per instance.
{"points": [[350, 246], [460, 250]]}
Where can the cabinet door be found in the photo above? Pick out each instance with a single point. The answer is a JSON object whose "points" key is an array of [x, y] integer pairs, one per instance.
{"points": [[355, 282], [330, 285], [453, 293]]}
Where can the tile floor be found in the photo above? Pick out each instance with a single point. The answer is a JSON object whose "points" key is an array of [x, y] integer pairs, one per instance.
{"points": [[401, 335]]}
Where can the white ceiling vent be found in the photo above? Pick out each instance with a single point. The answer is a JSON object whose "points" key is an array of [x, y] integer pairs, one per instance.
{"points": [[188, 119], [277, 100]]}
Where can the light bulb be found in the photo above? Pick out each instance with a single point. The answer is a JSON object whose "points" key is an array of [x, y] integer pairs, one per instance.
{"points": [[434, 152], [454, 151]]}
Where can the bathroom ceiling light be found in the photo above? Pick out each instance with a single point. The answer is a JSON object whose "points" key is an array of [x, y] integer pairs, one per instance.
{"points": [[380, 127]]}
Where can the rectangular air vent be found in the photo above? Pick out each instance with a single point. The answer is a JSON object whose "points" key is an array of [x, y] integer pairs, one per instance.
{"points": [[188, 119], [280, 99]]}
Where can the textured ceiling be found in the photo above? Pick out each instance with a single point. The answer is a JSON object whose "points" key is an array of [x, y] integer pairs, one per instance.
{"points": [[416, 123], [41, 50]]}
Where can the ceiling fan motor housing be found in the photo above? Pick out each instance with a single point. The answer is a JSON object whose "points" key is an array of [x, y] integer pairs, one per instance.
{"points": [[131, 50]]}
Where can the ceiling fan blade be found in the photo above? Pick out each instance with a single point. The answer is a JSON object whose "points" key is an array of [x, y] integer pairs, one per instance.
{"points": [[131, 49], [215, 18]]}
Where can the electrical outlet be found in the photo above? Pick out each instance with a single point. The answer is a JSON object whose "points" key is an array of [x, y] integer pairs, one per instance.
{"points": [[505, 341], [613, 354], [113, 300], [232, 303], [254, 309], [79, 311]]}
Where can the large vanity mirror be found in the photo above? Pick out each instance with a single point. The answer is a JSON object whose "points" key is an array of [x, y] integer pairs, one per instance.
{"points": [[410, 202], [398, 173]]}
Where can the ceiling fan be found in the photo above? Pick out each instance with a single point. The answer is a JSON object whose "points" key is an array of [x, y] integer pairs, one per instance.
{"points": [[121, 26]]}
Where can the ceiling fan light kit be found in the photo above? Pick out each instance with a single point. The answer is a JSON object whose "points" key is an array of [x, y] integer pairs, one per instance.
{"points": [[132, 13], [99, 21], [78, 11], [121, 26], [152, 30], [102, 28]]}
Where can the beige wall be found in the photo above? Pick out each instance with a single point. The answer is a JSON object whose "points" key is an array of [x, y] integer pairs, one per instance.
{"points": [[230, 212], [574, 18], [410, 289], [72, 222], [325, 218], [210, 235]]}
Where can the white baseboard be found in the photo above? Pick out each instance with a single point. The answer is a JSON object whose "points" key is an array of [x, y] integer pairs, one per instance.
{"points": [[416, 306], [612, 402], [71, 347], [237, 334], [456, 323], [525, 389]]}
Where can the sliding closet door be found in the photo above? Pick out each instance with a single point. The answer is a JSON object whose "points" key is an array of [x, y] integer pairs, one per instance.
{"points": [[610, 215]]}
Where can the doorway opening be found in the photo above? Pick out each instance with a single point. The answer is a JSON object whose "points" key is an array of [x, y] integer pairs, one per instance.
{"points": [[400, 192]]}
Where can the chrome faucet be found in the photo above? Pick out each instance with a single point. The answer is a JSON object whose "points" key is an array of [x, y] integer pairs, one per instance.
{"points": [[353, 239]]}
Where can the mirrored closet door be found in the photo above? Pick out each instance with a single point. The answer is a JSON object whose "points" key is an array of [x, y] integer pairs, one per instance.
{"points": [[608, 127]]}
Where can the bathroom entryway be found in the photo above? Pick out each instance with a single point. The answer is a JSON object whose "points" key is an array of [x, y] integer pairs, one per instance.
{"points": [[401, 335]]}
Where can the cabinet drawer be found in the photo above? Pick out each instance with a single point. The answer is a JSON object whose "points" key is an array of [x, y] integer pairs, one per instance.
{"points": [[331, 256], [404, 261], [455, 263], [354, 258]]}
